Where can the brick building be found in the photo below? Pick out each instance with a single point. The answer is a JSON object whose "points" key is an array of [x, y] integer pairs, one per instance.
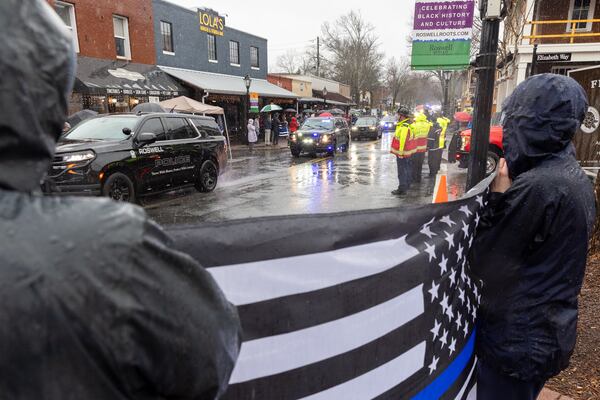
{"points": [[116, 55]]}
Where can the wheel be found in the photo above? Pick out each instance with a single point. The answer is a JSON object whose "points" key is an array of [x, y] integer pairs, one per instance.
{"points": [[296, 153], [208, 177], [493, 158], [119, 187]]}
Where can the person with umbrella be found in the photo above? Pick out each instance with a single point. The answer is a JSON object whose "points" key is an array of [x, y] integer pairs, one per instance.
{"points": [[276, 122], [268, 127]]}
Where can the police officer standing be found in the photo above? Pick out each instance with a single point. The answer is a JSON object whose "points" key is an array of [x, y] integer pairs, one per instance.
{"points": [[421, 128], [403, 147], [436, 144]]}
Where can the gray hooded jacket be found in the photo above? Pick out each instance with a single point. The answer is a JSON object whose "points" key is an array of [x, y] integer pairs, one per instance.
{"points": [[94, 304]]}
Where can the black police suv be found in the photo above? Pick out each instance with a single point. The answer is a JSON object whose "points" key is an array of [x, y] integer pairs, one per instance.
{"points": [[126, 156], [366, 128], [320, 135]]}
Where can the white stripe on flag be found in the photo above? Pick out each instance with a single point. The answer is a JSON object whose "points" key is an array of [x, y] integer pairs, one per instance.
{"points": [[377, 381], [473, 393], [464, 388], [276, 354], [259, 281]]}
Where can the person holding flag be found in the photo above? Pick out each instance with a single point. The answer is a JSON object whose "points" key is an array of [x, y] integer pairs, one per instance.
{"points": [[403, 147]]}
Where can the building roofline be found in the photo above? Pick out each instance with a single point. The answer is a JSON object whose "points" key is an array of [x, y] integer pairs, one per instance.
{"points": [[194, 11]]}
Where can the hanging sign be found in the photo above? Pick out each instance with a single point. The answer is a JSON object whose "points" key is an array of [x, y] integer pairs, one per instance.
{"points": [[442, 34], [254, 103], [211, 22]]}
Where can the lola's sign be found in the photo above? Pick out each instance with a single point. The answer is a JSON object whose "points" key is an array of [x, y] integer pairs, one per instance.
{"points": [[211, 22]]}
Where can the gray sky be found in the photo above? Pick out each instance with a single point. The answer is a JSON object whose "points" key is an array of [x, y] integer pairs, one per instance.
{"points": [[295, 25]]}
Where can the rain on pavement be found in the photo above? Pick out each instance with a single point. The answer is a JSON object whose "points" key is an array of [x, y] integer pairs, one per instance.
{"points": [[270, 181]]}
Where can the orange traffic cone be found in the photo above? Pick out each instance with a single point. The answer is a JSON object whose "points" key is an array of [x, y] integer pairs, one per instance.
{"points": [[440, 194]]}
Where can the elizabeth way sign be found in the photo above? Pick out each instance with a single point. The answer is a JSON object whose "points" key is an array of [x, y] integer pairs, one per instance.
{"points": [[442, 34]]}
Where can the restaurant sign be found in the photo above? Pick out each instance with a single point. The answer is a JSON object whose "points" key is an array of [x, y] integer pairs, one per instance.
{"points": [[442, 33], [211, 22]]}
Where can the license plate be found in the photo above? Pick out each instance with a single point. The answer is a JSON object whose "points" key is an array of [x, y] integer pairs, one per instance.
{"points": [[307, 141]]}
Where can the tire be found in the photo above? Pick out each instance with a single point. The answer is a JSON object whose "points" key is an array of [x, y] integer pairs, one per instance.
{"points": [[119, 187], [296, 153], [208, 177], [491, 162]]}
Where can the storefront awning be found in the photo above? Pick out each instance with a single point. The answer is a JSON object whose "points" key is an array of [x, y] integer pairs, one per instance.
{"points": [[321, 101], [98, 76], [227, 84]]}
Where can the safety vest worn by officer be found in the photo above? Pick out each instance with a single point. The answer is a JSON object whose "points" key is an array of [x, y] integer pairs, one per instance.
{"points": [[420, 129], [443, 122], [403, 144]]}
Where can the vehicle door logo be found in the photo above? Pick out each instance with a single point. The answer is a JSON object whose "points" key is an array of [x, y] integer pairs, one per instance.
{"points": [[133, 155]]}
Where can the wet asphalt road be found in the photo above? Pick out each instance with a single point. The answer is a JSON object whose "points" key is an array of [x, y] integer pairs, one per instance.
{"points": [[269, 181]]}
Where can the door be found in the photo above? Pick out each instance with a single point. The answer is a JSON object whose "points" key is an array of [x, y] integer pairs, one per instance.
{"points": [[212, 143], [182, 139], [149, 157]]}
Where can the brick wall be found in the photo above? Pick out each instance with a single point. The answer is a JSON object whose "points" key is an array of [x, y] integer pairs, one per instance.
{"points": [[548, 10], [95, 28], [280, 81]]}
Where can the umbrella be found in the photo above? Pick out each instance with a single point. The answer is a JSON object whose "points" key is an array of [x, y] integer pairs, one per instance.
{"points": [[337, 111], [462, 116], [290, 110], [148, 108], [326, 114], [81, 116], [271, 108]]}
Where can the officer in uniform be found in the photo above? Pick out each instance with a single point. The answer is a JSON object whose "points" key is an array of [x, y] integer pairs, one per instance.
{"points": [[420, 128], [403, 147], [436, 145]]}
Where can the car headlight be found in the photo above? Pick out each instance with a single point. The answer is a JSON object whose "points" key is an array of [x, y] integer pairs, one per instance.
{"points": [[79, 157], [382, 123], [325, 139], [354, 128], [373, 128], [299, 134]]}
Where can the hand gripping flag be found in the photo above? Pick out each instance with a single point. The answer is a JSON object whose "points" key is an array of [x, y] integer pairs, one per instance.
{"points": [[374, 304]]}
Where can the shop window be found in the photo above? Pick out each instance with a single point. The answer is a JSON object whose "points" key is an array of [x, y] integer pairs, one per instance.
{"points": [[166, 31], [121, 26], [212, 48], [254, 61], [579, 10], [154, 125], [179, 129], [234, 53], [66, 12]]}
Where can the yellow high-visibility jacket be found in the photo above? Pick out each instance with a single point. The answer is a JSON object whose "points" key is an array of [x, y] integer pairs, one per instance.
{"points": [[443, 122], [404, 144], [420, 129]]}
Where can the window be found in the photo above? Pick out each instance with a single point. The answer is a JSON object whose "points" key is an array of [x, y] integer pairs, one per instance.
{"points": [[179, 129], [154, 125], [121, 26], [582, 9], [166, 30], [66, 12], [212, 48], [254, 61], [234, 53], [207, 128]]}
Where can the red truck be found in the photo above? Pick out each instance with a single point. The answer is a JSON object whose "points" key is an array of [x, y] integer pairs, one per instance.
{"points": [[495, 150]]}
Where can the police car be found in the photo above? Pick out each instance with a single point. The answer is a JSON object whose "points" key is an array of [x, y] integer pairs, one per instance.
{"points": [[126, 156]]}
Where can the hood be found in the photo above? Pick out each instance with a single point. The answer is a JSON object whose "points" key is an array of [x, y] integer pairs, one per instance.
{"points": [[540, 120], [70, 146], [36, 75]]}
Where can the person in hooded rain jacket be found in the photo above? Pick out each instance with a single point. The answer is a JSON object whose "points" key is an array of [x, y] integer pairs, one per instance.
{"points": [[94, 304], [420, 128], [531, 246], [252, 136]]}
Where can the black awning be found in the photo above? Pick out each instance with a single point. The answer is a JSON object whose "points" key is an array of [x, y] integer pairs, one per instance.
{"points": [[98, 76]]}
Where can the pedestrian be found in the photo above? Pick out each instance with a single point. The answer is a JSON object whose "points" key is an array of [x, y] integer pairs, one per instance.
{"points": [[94, 301], [420, 128], [257, 125], [436, 143], [294, 125], [268, 126], [252, 135], [275, 129], [531, 246], [403, 147]]}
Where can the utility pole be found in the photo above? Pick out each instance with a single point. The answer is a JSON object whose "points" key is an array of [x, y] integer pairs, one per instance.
{"points": [[318, 56], [490, 11]]}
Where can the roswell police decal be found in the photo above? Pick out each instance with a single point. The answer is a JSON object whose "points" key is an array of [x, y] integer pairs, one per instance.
{"points": [[150, 150]]}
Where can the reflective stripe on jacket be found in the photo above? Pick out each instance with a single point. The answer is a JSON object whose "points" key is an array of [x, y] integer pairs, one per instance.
{"points": [[420, 129]]}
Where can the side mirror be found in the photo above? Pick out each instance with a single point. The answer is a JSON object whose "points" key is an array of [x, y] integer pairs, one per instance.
{"points": [[126, 131], [146, 138]]}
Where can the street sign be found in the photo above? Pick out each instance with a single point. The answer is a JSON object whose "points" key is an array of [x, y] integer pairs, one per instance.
{"points": [[561, 57], [587, 138], [442, 34]]}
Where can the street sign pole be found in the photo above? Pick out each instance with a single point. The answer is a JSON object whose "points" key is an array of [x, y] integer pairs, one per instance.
{"points": [[484, 96]]}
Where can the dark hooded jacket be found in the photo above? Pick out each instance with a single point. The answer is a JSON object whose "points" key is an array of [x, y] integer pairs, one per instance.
{"points": [[93, 302], [531, 246]]}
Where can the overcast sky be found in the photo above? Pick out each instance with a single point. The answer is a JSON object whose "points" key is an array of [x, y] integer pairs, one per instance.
{"points": [[295, 25]]}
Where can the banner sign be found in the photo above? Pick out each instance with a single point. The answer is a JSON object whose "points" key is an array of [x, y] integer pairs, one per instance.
{"points": [[211, 22], [357, 305], [587, 138], [254, 103], [442, 34]]}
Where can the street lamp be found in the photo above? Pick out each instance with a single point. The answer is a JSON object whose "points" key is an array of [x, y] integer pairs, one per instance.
{"points": [[325, 95], [447, 76], [248, 83]]}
